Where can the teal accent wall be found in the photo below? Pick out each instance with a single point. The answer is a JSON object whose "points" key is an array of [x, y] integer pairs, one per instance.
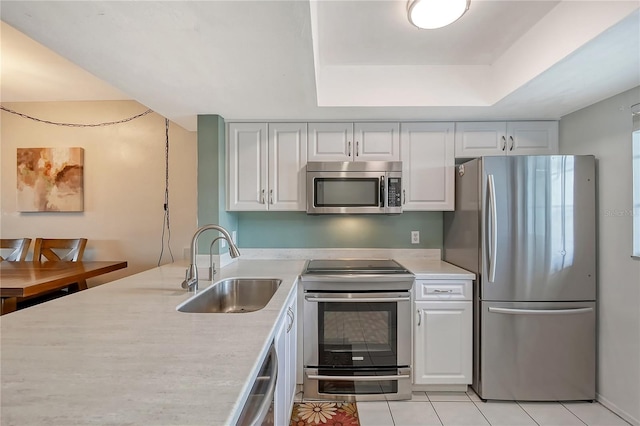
{"points": [[299, 230], [296, 229], [211, 181]]}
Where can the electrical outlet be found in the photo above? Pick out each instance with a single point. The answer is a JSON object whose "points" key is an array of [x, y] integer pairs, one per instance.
{"points": [[415, 237], [223, 243], [234, 237]]}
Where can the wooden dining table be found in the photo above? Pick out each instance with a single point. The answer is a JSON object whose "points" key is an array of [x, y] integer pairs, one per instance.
{"points": [[27, 279]]}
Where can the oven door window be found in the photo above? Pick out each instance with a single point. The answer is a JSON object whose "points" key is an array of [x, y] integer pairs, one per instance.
{"points": [[357, 334], [346, 192]]}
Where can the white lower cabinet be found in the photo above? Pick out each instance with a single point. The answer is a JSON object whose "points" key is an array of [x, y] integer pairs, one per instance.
{"points": [[286, 347], [443, 329]]}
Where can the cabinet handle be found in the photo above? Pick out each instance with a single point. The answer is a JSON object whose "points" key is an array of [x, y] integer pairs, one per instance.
{"points": [[357, 148], [292, 316], [347, 378], [504, 143], [314, 299], [419, 317], [349, 149], [271, 196], [511, 139], [262, 197], [442, 291], [404, 196]]}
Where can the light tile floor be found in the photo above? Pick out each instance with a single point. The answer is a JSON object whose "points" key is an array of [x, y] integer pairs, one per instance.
{"points": [[465, 408]]}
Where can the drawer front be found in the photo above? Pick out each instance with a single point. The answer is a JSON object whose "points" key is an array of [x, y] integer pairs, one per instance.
{"points": [[443, 290]]}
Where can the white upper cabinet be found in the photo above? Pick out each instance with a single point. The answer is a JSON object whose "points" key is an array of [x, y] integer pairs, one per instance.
{"points": [[266, 166], [330, 142], [287, 161], [377, 141], [428, 166], [247, 166], [476, 139], [532, 137], [354, 142]]}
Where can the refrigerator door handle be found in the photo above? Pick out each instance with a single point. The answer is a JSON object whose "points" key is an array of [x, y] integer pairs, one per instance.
{"points": [[540, 311], [493, 248]]}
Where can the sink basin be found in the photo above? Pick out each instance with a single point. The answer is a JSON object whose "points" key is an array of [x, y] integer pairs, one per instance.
{"points": [[233, 295]]}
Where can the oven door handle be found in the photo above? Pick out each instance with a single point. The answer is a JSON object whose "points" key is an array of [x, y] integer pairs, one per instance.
{"points": [[358, 378], [356, 299]]}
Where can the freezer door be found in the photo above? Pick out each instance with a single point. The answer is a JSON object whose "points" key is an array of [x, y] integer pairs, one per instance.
{"points": [[537, 351], [538, 228]]}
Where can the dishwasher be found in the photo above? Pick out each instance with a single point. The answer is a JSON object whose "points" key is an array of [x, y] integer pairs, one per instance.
{"points": [[258, 409]]}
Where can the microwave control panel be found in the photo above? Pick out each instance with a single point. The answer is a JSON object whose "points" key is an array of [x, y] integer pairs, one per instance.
{"points": [[394, 192]]}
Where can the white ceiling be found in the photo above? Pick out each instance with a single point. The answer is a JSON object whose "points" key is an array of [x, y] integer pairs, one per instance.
{"points": [[319, 60]]}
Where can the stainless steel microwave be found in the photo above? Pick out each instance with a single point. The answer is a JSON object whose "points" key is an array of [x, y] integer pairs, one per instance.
{"points": [[335, 187]]}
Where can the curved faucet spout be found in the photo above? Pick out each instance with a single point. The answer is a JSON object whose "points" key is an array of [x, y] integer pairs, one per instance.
{"points": [[191, 276]]}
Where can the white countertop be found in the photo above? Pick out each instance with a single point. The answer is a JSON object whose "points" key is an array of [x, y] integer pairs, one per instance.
{"points": [[434, 269], [120, 353]]}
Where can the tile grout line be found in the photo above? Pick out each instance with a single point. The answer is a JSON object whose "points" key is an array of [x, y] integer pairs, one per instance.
{"points": [[435, 411], [481, 413], [527, 413], [578, 417], [572, 413], [390, 413], [475, 403]]}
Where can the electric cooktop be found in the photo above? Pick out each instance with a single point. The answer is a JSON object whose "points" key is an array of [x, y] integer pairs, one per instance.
{"points": [[354, 266]]}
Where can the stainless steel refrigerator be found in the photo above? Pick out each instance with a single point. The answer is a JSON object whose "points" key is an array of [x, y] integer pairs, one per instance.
{"points": [[526, 226]]}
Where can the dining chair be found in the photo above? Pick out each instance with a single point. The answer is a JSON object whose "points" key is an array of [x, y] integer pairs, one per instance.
{"points": [[61, 250], [53, 249], [20, 248]]}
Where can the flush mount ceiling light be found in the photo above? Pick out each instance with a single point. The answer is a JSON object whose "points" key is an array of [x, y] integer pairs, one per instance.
{"points": [[431, 14]]}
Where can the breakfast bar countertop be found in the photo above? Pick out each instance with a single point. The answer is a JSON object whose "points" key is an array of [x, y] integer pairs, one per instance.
{"points": [[121, 354]]}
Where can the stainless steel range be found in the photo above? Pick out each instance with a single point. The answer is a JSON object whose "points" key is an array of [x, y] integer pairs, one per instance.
{"points": [[357, 330]]}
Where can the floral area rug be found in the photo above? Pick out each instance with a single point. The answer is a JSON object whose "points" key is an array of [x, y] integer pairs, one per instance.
{"points": [[324, 413]]}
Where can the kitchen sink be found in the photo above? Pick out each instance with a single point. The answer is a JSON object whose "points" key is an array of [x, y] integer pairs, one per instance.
{"points": [[233, 295]]}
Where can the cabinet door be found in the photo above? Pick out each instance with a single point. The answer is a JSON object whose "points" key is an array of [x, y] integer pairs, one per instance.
{"points": [[475, 139], [286, 349], [443, 341], [292, 353], [428, 166], [287, 159], [281, 412], [532, 137], [376, 142], [247, 166], [330, 142]]}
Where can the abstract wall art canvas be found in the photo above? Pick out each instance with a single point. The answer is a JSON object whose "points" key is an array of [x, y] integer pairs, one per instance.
{"points": [[50, 179]]}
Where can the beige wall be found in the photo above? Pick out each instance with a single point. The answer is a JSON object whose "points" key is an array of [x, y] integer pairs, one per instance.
{"points": [[604, 129], [124, 181]]}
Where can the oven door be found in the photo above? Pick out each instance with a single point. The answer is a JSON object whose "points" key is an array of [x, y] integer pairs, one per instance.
{"points": [[357, 344]]}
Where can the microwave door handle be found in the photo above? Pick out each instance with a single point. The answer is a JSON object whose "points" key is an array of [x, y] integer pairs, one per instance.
{"points": [[382, 191]]}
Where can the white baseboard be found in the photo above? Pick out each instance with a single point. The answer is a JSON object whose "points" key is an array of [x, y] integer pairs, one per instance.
{"points": [[439, 388], [617, 410]]}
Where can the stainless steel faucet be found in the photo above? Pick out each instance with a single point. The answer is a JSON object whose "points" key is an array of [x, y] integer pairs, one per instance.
{"points": [[212, 265], [191, 276]]}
